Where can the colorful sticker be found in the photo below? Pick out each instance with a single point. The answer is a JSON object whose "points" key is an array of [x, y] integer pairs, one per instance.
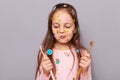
{"points": [[77, 50], [49, 52], [57, 61]]}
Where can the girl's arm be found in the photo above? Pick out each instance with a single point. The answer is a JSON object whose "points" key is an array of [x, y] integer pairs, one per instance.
{"points": [[45, 67], [85, 63], [41, 75], [86, 75]]}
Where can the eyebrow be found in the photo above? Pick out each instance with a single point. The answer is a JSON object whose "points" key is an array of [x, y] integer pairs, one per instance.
{"points": [[69, 23], [55, 23], [65, 23]]}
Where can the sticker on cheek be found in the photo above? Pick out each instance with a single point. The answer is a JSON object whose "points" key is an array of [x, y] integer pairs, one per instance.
{"points": [[69, 33], [67, 40], [59, 39], [57, 31], [65, 30]]}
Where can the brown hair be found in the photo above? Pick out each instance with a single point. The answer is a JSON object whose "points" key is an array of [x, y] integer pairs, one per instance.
{"points": [[48, 42]]}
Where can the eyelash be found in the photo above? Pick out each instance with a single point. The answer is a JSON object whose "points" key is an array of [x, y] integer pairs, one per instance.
{"points": [[55, 26], [58, 26], [67, 26]]}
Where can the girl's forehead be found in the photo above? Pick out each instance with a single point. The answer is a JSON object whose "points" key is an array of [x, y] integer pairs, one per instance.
{"points": [[62, 15]]}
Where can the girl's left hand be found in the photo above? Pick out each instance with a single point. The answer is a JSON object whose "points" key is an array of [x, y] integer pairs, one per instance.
{"points": [[85, 60]]}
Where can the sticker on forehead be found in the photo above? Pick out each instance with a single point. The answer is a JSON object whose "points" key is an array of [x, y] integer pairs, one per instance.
{"points": [[52, 19], [67, 19], [58, 17], [59, 20]]}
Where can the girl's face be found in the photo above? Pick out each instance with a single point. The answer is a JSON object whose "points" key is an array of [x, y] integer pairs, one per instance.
{"points": [[63, 26]]}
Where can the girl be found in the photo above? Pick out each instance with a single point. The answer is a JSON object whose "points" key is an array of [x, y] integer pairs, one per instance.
{"points": [[62, 41]]}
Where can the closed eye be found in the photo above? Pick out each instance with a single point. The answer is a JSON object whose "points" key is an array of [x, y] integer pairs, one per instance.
{"points": [[67, 26], [56, 26]]}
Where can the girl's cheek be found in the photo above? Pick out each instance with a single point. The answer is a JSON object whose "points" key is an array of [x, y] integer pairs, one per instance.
{"points": [[55, 32], [70, 32], [66, 31]]}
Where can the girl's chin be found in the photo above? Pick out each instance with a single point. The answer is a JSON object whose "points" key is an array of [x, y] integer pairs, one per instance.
{"points": [[63, 41]]}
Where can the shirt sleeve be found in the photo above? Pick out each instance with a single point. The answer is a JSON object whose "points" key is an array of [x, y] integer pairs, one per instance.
{"points": [[88, 76], [41, 76]]}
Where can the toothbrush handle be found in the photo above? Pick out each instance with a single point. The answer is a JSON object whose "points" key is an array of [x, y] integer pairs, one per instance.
{"points": [[51, 73], [79, 72]]}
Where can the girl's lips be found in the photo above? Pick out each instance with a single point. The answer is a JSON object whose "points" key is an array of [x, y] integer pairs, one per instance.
{"points": [[62, 37]]}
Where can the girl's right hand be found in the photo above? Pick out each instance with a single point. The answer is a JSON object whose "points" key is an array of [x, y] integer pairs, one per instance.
{"points": [[46, 65]]}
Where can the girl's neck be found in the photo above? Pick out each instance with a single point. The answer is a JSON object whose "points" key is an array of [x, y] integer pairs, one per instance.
{"points": [[61, 46]]}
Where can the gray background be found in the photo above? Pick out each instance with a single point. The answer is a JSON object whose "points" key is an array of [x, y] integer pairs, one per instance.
{"points": [[23, 24]]}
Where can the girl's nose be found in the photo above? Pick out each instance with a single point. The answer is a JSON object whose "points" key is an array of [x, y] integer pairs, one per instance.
{"points": [[61, 30]]}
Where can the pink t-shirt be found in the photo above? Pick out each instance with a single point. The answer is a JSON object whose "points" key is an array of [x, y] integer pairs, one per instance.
{"points": [[66, 66]]}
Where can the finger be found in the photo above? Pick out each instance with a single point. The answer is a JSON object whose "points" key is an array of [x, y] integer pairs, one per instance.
{"points": [[82, 65], [48, 67], [85, 58], [47, 62], [83, 62], [44, 58]]}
